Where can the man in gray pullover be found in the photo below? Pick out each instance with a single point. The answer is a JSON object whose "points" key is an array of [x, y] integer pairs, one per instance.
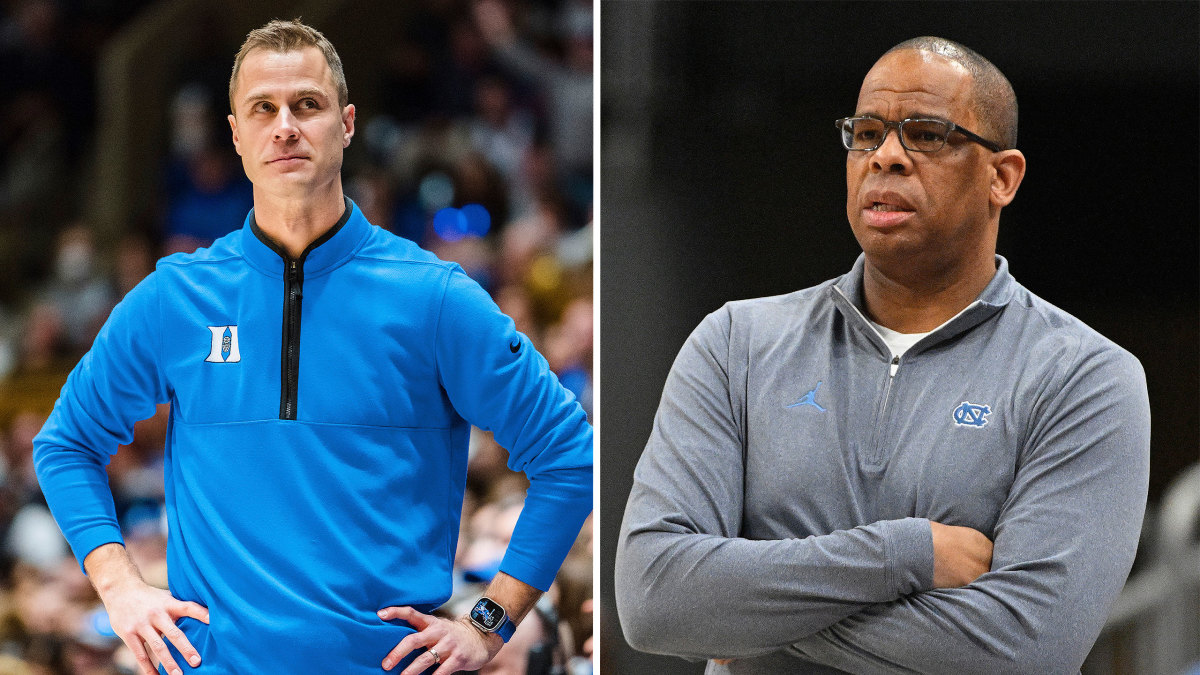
{"points": [[919, 466]]}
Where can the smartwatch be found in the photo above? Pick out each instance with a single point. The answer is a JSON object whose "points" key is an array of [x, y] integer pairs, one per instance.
{"points": [[489, 617]]}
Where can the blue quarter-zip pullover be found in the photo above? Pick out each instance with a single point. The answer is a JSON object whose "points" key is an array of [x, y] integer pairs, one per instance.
{"points": [[317, 445]]}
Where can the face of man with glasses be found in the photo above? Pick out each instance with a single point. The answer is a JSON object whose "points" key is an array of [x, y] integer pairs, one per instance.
{"points": [[920, 180]]}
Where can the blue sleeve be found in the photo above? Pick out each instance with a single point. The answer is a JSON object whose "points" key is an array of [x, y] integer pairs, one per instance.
{"points": [[117, 383], [1065, 542], [497, 381]]}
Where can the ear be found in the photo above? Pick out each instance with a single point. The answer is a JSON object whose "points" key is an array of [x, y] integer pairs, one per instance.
{"points": [[237, 143], [347, 124], [1009, 168]]}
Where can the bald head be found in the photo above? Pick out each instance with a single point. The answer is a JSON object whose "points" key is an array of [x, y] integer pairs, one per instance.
{"points": [[993, 98]]}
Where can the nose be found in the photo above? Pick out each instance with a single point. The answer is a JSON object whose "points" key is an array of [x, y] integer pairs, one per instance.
{"points": [[285, 125], [891, 156]]}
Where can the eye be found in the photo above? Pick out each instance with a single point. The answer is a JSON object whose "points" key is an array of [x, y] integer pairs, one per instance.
{"points": [[263, 106], [309, 104], [926, 131]]}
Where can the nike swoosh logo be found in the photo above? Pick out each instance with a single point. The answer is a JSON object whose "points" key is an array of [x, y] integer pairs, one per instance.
{"points": [[515, 346]]}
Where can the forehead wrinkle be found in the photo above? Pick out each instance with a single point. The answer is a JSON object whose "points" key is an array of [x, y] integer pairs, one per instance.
{"points": [[902, 92], [909, 103], [921, 100], [910, 106], [960, 90]]}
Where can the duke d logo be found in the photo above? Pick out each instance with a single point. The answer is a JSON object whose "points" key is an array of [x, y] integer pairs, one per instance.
{"points": [[970, 415], [224, 345]]}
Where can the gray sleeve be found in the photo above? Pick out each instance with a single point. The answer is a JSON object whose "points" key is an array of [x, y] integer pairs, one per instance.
{"points": [[687, 584], [1064, 544]]}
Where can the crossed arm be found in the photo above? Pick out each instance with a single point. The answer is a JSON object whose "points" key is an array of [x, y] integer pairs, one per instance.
{"points": [[1064, 544], [889, 596]]}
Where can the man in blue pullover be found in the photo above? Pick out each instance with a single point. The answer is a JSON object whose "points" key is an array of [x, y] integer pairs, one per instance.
{"points": [[322, 375], [918, 467]]}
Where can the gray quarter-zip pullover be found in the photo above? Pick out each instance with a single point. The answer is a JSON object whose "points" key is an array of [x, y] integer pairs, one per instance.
{"points": [[780, 512]]}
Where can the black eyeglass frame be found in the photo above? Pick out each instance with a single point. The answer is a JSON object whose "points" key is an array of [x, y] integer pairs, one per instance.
{"points": [[951, 127]]}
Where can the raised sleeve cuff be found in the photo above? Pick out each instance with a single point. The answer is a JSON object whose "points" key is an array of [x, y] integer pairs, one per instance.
{"points": [[85, 542], [909, 544], [528, 571]]}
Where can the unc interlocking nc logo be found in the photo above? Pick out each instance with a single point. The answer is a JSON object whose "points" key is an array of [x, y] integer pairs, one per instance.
{"points": [[970, 415], [224, 345]]}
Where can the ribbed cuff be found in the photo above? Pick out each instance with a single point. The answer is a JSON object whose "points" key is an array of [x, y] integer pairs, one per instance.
{"points": [[84, 543], [527, 571], [910, 555]]}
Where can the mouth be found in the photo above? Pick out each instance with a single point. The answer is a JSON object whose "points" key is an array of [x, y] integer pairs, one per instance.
{"points": [[287, 158], [883, 208], [882, 215]]}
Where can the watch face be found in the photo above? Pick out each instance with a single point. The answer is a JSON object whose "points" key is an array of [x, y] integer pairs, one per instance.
{"points": [[487, 614]]}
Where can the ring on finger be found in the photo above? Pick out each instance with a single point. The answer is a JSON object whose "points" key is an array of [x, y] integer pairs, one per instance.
{"points": [[437, 658]]}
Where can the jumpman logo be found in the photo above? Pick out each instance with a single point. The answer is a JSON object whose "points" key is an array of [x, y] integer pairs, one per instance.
{"points": [[809, 399]]}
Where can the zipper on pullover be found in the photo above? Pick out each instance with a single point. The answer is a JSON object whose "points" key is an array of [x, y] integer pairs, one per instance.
{"points": [[875, 456], [881, 418], [293, 295], [894, 367]]}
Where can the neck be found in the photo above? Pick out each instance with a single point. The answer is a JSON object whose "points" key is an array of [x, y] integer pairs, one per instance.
{"points": [[292, 223], [910, 302]]}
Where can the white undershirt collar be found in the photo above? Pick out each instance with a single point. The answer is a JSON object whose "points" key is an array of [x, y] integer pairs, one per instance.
{"points": [[901, 342]]}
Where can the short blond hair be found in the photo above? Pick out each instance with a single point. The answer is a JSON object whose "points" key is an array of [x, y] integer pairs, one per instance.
{"points": [[286, 36]]}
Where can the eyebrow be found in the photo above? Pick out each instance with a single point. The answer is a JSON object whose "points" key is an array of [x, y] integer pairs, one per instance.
{"points": [[308, 92]]}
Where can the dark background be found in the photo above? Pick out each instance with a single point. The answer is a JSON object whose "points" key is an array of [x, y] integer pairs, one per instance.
{"points": [[723, 178]]}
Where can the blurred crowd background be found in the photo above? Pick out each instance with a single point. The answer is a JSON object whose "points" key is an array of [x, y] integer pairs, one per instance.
{"points": [[115, 150]]}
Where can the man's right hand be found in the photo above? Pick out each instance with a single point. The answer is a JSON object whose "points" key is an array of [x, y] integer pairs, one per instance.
{"points": [[141, 614], [960, 555]]}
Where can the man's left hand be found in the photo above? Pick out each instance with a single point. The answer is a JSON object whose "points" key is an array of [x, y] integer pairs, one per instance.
{"points": [[454, 645]]}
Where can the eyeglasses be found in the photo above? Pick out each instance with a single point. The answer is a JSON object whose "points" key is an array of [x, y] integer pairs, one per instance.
{"points": [[917, 135]]}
